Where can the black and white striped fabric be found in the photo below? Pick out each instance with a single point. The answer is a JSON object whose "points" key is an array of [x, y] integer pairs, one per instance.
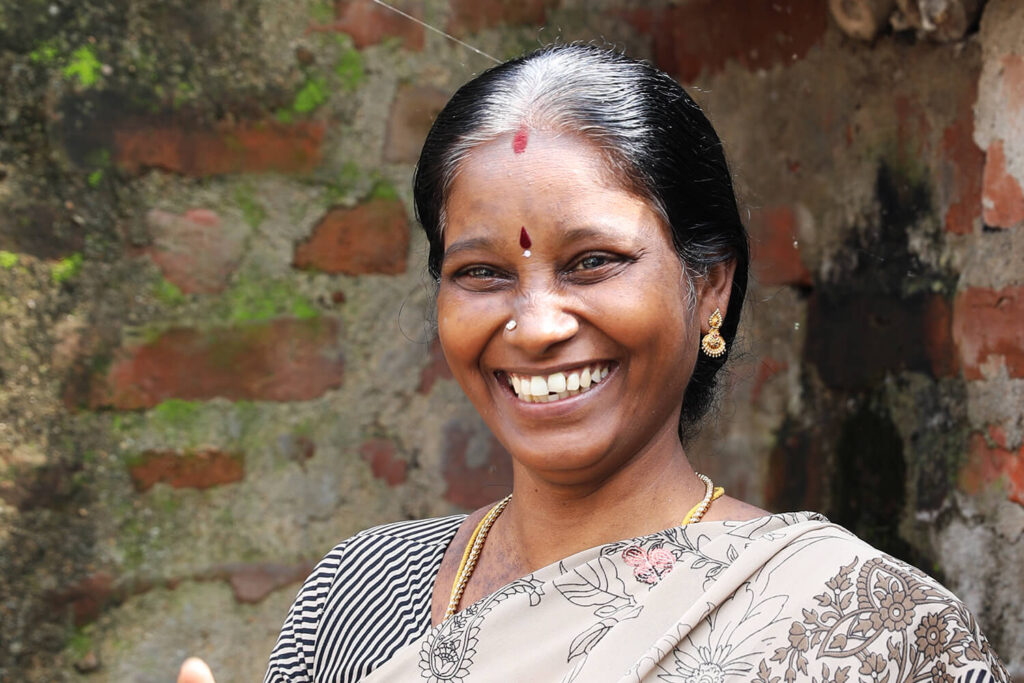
{"points": [[365, 600]]}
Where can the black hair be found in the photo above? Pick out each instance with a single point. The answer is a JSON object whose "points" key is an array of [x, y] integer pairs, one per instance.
{"points": [[656, 139]]}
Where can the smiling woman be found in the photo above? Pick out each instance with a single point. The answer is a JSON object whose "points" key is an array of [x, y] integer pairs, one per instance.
{"points": [[591, 268]]}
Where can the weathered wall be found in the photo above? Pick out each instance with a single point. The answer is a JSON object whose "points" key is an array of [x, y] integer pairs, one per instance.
{"points": [[215, 347]]}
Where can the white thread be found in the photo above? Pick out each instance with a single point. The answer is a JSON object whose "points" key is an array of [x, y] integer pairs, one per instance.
{"points": [[437, 30]]}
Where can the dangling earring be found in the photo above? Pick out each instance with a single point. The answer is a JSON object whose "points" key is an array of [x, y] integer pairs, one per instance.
{"points": [[713, 344]]}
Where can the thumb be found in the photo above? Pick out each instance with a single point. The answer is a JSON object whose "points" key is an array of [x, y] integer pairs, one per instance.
{"points": [[194, 670]]}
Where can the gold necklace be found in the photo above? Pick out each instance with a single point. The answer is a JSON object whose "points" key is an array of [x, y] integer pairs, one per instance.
{"points": [[476, 541]]}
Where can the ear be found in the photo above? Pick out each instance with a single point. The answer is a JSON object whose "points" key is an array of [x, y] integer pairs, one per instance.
{"points": [[713, 292]]}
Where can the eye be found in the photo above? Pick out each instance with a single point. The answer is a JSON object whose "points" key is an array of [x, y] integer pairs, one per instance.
{"points": [[480, 278], [591, 261]]}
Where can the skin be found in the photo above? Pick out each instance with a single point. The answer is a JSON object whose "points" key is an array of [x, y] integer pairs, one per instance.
{"points": [[603, 284]]}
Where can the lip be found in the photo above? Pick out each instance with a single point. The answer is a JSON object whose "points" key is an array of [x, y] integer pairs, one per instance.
{"points": [[561, 406]]}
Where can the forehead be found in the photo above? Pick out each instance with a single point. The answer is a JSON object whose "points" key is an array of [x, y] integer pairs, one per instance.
{"points": [[558, 187]]}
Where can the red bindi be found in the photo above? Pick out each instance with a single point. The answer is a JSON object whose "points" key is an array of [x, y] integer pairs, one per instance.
{"points": [[524, 238], [519, 140]]}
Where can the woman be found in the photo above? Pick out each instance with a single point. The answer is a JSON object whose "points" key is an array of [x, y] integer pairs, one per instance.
{"points": [[591, 267]]}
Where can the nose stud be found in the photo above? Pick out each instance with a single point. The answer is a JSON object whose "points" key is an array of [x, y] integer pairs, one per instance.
{"points": [[510, 325]]}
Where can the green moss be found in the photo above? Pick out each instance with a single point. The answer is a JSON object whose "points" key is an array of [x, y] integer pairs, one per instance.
{"points": [[252, 210], [95, 178], [252, 301], [322, 12], [8, 259], [176, 413], [84, 66], [349, 69], [284, 116], [80, 643], [66, 268], [167, 293], [383, 190], [311, 95], [45, 54]]}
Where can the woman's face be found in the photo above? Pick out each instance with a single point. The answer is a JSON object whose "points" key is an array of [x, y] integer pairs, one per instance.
{"points": [[601, 297]]}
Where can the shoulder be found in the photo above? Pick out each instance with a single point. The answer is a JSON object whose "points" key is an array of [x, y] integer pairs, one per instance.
{"points": [[853, 605], [347, 604]]}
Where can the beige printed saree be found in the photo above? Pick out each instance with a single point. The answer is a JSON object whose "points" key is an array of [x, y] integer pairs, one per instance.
{"points": [[775, 599]]}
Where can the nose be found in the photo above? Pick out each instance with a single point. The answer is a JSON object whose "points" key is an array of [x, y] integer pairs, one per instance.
{"points": [[543, 321]]}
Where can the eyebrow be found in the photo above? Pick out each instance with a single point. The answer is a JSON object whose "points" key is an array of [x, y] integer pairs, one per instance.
{"points": [[568, 236], [469, 245]]}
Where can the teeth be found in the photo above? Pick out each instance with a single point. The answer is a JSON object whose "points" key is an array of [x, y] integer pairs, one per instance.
{"points": [[557, 386], [556, 383]]}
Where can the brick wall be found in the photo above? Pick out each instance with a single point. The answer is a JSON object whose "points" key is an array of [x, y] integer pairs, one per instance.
{"points": [[215, 347]]}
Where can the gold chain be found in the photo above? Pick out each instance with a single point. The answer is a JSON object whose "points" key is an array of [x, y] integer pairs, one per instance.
{"points": [[476, 542]]}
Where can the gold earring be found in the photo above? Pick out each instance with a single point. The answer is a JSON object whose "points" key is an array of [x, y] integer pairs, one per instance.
{"points": [[713, 344]]}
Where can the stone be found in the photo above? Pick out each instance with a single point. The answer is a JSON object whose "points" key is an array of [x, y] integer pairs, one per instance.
{"points": [[197, 469], [775, 246], [475, 466], [285, 359], [1002, 197], [412, 113], [370, 238], [470, 16], [196, 251], [382, 456], [244, 147], [367, 23], [988, 331], [755, 35]]}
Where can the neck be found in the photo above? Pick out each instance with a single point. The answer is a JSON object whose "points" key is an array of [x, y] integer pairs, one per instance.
{"points": [[546, 522]]}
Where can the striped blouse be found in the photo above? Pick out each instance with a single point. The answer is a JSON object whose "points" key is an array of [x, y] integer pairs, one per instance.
{"points": [[366, 599]]}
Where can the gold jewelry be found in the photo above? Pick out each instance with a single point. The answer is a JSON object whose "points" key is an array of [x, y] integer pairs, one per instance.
{"points": [[713, 344], [476, 542], [472, 554], [510, 325]]}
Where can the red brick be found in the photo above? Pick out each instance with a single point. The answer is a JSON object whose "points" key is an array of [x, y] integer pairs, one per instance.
{"points": [[224, 148], [986, 325], [370, 238], [367, 23], [474, 485], [280, 360], [252, 583], [198, 469], [702, 36], [87, 597], [435, 369], [381, 455], [963, 165], [470, 16], [1002, 198], [412, 113], [194, 250], [776, 261], [988, 463]]}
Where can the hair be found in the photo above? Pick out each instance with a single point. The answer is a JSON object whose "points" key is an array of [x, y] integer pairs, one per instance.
{"points": [[657, 142]]}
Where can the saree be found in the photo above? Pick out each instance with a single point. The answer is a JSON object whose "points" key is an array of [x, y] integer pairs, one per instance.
{"points": [[769, 600]]}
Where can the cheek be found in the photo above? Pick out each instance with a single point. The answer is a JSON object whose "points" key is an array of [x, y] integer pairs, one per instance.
{"points": [[463, 330]]}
